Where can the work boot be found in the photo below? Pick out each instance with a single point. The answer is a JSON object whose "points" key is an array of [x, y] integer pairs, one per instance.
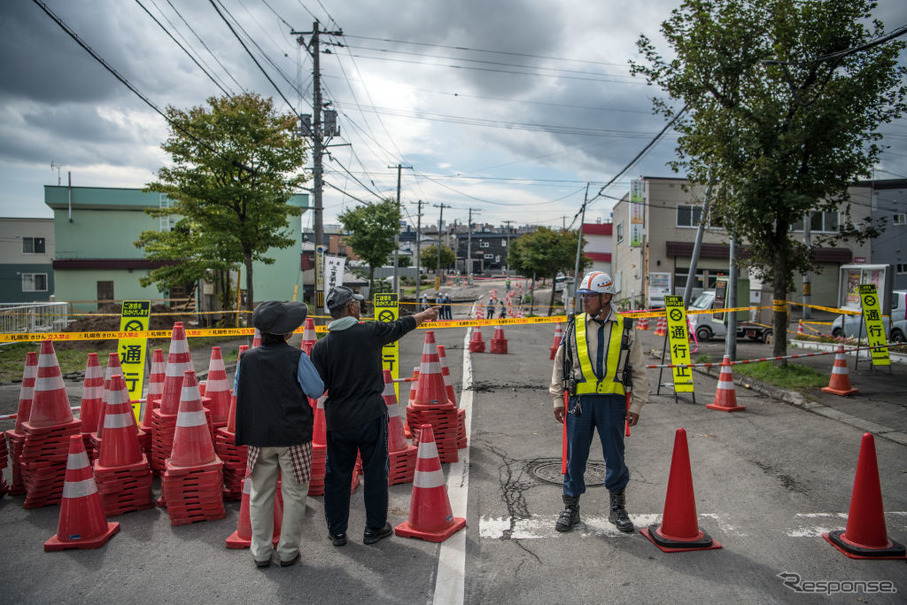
{"points": [[569, 516], [619, 516]]}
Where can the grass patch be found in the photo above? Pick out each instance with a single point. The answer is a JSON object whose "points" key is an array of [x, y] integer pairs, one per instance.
{"points": [[790, 376]]}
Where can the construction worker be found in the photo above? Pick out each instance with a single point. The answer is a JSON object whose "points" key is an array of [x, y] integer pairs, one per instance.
{"points": [[598, 361]]}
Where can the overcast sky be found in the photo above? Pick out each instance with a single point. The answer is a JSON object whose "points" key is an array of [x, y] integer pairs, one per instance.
{"points": [[508, 107]]}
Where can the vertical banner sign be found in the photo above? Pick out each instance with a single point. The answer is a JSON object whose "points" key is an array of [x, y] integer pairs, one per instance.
{"points": [[679, 342], [387, 309], [875, 329], [319, 276], [637, 210], [135, 317], [333, 274]]}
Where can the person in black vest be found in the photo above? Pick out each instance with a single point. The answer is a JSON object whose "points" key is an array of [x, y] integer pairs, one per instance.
{"points": [[274, 418], [349, 361]]}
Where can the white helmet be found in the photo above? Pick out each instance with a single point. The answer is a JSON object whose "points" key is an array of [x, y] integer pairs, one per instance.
{"points": [[596, 282]]}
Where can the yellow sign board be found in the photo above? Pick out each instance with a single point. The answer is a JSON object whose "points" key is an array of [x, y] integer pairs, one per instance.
{"points": [[875, 329], [387, 309], [679, 342], [135, 317]]}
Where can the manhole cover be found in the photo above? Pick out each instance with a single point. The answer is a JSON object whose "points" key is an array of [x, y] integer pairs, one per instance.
{"points": [[549, 471]]}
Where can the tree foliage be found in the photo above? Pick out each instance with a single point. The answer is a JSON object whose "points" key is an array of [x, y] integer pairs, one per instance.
{"points": [[781, 116], [371, 231], [545, 252], [235, 164], [429, 258]]}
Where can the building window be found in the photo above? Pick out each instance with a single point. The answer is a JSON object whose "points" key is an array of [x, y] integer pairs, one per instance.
{"points": [[901, 268], [489, 256], [620, 232], [819, 222], [34, 282], [899, 219], [32, 245], [688, 216], [483, 244]]}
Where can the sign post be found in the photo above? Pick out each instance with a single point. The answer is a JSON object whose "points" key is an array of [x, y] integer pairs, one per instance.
{"points": [[875, 328], [387, 309], [679, 341], [134, 317]]}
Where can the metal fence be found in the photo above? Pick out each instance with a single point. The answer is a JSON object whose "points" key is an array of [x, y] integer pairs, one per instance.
{"points": [[33, 317]]}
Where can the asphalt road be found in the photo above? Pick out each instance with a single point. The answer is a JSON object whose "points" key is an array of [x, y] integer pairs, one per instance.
{"points": [[767, 482]]}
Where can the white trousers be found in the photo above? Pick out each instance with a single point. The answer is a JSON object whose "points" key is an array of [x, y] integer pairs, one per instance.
{"points": [[272, 462]]}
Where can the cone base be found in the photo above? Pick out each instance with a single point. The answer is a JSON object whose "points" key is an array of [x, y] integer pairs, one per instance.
{"points": [[56, 544], [726, 408], [236, 541], [894, 550], [704, 542], [405, 530], [842, 392]]}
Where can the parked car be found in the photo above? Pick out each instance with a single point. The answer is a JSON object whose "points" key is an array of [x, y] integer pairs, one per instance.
{"points": [[706, 325], [847, 326]]}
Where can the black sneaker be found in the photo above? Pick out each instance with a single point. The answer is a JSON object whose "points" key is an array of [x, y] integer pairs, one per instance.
{"points": [[373, 535], [338, 539], [263, 563], [291, 561]]}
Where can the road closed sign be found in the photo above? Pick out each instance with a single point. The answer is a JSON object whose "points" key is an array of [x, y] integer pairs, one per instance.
{"points": [[875, 328], [387, 309]]}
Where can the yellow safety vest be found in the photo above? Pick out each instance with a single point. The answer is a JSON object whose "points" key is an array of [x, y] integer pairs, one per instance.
{"points": [[591, 384]]}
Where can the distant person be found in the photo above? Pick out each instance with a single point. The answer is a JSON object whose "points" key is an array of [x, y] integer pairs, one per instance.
{"points": [[274, 418], [448, 313], [507, 284], [349, 361], [503, 310], [425, 303], [489, 311]]}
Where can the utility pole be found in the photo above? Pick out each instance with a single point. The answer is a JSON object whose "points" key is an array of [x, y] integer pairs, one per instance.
{"points": [[469, 247], [807, 276], [440, 226], [697, 245], [399, 168], [507, 239], [418, 251], [570, 306], [730, 348]]}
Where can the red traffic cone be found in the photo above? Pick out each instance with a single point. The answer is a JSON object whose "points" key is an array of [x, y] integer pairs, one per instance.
{"points": [[661, 328], [866, 536], [155, 387], [218, 389], [179, 361], [725, 395], [800, 330], [477, 345], [641, 324], [445, 374], [256, 339], [120, 445], [231, 419], [309, 338], [498, 342], [192, 444], [558, 335], [113, 369], [27, 390], [319, 426], [430, 517], [431, 389], [396, 435], [839, 384], [679, 530], [51, 404], [92, 395], [82, 522], [242, 537]]}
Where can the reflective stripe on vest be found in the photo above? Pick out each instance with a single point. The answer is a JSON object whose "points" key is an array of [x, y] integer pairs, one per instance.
{"points": [[589, 385]]}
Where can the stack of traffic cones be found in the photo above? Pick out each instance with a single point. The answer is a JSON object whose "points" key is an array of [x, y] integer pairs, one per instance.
{"points": [[153, 396], [242, 537], [558, 335], [430, 404], [97, 433], [866, 536], [839, 384], [430, 516], [642, 323], [122, 471], [92, 402], [498, 342], [82, 523], [193, 481], [725, 395], [402, 455], [16, 436], [47, 431], [414, 386], [477, 345], [217, 390], [661, 328], [679, 530], [233, 456], [163, 418], [452, 397], [309, 338], [319, 449]]}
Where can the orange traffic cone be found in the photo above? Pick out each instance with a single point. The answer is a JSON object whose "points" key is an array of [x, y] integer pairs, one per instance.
{"points": [[309, 338], [866, 536], [477, 345], [661, 328], [256, 338], [155, 388], [430, 517], [192, 444], [642, 323], [120, 446], [82, 523], [414, 385], [242, 537], [92, 395], [498, 342], [27, 389], [725, 396], [113, 369], [558, 335], [431, 389], [50, 406], [839, 384], [679, 530], [396, 436], [445, 374], [800, 330], [319, 427], [218, 389], [179, 360]]}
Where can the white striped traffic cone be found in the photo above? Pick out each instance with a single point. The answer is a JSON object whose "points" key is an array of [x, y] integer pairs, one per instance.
{"points": [[725, 395]]}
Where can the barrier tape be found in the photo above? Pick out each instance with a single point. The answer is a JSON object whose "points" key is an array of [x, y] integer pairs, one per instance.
{"points": [[761, 359]]}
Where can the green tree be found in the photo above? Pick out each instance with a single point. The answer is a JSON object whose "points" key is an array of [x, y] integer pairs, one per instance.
{"points": [[235, 166], [784, 102], [545, 252], [429, 258], [371, 230]]}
